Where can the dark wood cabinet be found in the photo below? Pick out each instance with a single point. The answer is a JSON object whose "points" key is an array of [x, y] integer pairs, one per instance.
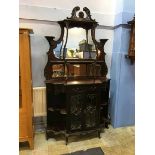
{"points": [[80, 107], [131, 51], [77, 90]]}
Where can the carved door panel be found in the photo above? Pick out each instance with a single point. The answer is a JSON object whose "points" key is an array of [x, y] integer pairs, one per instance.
{"points": [[83, 107], [91, 109], [75, 108]]}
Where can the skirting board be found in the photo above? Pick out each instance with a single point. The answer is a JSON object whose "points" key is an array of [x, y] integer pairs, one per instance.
{"points": [[39, 123]]}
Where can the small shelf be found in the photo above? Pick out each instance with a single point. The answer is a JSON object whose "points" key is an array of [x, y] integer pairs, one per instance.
{"points": [[78, 22], [61, 110], [85, 80], [105, 104], [56, 129], [76, 61]]}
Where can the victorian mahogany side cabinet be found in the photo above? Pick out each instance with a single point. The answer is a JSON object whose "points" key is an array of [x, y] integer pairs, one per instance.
{"points": [[77, 90]]}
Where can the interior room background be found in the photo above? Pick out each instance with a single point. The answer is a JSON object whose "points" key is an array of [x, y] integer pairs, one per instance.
{"points": [[112, 16]]}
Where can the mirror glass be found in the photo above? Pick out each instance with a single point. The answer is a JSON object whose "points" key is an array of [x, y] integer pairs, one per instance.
{"points": [[84, 70], [57, 50], [76, 46], [77, 70]]}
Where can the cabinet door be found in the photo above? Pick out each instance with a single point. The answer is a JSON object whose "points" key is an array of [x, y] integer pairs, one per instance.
{"points": [[75, 119], [83, 103], [75, 105], [91, 109]]}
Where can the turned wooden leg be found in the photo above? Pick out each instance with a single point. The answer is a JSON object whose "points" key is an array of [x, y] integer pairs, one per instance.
{"points": [[98, 132], [31, 143], [66, 139], [46, 135]]}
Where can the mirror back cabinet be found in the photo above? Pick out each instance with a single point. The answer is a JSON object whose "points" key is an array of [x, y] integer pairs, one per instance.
{"points": [[77, 90]]}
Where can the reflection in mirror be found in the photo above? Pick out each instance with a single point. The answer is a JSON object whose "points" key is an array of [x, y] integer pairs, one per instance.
{"points": [[77, 46], [74, 70], [77, 70], [74, 36], [84, 70], [57, 50]]}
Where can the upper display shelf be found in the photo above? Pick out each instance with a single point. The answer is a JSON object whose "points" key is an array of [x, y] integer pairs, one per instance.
{"points": [[83, 19], [78, 22]]}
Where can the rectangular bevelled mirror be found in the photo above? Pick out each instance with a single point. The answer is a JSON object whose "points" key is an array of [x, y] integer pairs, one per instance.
{"points": [[77, 46]]}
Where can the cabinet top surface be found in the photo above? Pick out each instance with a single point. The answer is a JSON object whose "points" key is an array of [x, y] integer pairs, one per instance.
{"points": [[25, 29], [76, 82]]}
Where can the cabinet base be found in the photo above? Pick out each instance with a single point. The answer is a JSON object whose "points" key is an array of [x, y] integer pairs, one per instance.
{"points": [[53, 134], [29, 140]]}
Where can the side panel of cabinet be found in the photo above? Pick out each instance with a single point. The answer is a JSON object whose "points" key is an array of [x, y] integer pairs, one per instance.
{"points": [[55, 99], [25, 108], [104, 117]]}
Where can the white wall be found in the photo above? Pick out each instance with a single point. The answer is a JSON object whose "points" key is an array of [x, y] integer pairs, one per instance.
{"points": [[129, 6], [99, 6], [118, 6]]}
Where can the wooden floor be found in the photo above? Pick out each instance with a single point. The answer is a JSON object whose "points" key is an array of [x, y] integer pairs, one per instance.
{"points": [[120, 141]]}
